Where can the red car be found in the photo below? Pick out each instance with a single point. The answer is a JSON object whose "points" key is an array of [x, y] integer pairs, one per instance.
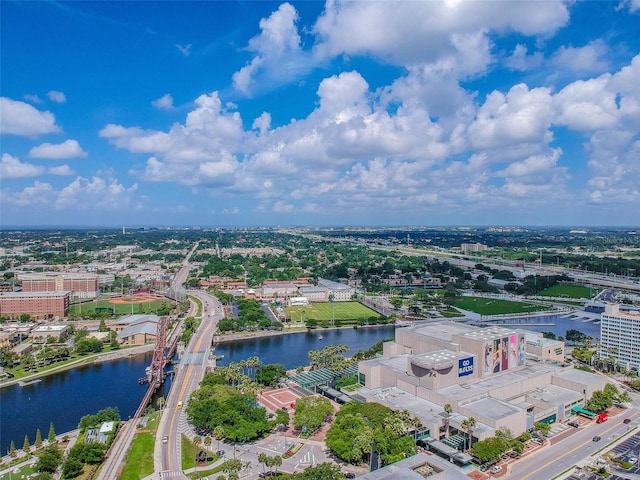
{"points": [[626, 420]]}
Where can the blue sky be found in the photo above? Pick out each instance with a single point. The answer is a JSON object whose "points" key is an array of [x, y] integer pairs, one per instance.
{"points": [[311, 113]]}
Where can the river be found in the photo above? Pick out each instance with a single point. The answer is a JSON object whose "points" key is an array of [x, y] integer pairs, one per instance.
{"points": [[63, 398], [292, 350]]}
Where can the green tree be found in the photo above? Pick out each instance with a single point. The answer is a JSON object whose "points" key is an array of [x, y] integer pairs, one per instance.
{"points": [[52, 434], [467, 426], [270, 374], [310, 412], [49, 459], [323, 471], [38, 442], [12, 450], [357, 426], [26, 446], [71, 467], [218, 434], [489, 449], [221, 405], [542, 427]]}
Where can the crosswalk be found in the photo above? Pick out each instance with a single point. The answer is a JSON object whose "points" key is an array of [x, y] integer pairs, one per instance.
{"points": [[172, 474]]}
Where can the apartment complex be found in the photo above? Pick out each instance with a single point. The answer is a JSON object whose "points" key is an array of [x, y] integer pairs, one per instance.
{"points": [[39, 305], [81, 285], [620, 336]]}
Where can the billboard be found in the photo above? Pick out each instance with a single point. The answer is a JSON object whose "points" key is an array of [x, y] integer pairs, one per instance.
{"points": [[502, 354], [465, 366]]}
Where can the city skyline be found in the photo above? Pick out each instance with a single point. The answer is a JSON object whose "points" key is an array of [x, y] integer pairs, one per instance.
{"points": [[310, 113]]}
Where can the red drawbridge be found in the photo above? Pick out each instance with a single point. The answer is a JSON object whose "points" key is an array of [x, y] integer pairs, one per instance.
{"points": [[155, 371]]}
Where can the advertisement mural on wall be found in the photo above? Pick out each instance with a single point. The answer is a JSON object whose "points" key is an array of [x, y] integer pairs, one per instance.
{"points": [[521, 349], [502, 354], [488, 357], [513, 351], [465, 366]]}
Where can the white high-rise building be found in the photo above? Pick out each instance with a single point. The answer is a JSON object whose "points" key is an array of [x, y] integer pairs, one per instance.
{"points": [[620, 336]]}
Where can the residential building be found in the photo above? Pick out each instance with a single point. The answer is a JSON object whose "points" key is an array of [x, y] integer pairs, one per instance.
{"points": [[338, 291], [473, 247], [620, 336], [39, 305], [81, 285]]}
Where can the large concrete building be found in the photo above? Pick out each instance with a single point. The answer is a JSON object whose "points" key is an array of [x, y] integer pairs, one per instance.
{"points": [[620, 336], [39, 305], [81, 285], [500, 377]]}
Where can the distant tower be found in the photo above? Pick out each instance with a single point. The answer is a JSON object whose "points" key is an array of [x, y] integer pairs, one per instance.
{"points": [[124, 231]]}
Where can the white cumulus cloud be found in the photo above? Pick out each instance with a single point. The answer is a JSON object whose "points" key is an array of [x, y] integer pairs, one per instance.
{"points": [[164, 103], [278, 56], [19, 118], [11, 167], [64, 150], [55, 96]]}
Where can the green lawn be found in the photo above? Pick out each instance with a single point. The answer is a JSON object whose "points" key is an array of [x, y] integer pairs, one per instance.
{"points": [[325, 311], [139, 462], [23, 472], [198, 303], [568, 291], [493, 306], [121, 309]]}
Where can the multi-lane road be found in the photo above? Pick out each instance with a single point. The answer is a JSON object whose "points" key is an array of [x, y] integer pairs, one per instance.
{"points": [[193, 365]]}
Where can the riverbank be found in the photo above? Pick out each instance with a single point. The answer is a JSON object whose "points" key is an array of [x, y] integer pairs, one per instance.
{"points": [[234, 337], [98, 358]]}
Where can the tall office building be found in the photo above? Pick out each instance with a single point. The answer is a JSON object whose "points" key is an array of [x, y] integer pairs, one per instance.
{"points": [[620, 336]]}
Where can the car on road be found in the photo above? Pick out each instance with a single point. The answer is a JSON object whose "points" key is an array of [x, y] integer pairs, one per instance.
{"points": [[626, 420], [496, 469], [179, 405], [632, 459], [596, 438], [350, 475], [165, 439], [573, 423], [220, 453]]}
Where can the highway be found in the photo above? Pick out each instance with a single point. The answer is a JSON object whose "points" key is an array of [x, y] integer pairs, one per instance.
{"points": [[192, 367]]}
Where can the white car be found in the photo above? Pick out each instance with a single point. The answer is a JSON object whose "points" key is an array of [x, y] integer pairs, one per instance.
{"points": [[496, 469]]}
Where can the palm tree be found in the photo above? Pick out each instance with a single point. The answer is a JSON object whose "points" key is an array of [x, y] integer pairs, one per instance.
{"points": [[160, 403], [207, 441], [447, 409], [218, 434], [468, 425]]}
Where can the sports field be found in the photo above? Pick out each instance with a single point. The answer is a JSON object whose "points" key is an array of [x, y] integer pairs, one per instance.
{"points": [[568, 291], [120, 305], [494, 306], [325, 311]]}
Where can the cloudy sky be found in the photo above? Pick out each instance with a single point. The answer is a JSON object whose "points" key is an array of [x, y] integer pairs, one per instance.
{"points": [[310, 113]]}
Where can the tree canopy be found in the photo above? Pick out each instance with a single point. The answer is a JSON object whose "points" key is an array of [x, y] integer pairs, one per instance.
{"points": [[236, 412], [311, 412], [361, 428]]}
